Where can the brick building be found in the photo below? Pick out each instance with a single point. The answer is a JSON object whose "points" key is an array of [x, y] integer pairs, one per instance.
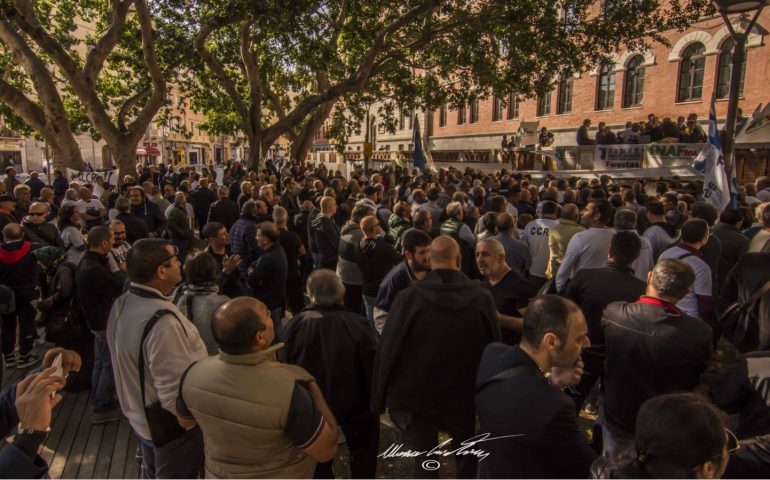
{"points": [[668, 81]]}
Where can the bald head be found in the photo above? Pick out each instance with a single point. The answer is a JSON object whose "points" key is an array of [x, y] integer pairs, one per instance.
{"points": [[242, 325], [369, 225], [12, 232], [445, 253]]}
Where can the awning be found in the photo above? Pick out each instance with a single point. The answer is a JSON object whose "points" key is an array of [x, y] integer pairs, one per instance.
{"points": [[152, 151], [756, 130], [141, 151]]}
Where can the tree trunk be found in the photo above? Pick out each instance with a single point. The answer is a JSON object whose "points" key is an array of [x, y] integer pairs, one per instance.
{"points": [[65, 151], [257, 143], [124, 156], [303, 142]]}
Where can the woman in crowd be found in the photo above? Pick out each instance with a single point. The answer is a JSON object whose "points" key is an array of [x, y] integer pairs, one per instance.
{"points": [[72, 238], [198, 298], [679, 435]]}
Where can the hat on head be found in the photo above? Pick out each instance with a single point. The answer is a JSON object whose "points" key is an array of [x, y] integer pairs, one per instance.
{"points": [[6, 198], [370, 190]]}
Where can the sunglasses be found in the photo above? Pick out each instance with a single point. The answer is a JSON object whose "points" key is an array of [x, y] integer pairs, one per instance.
{"points": [[166, 260]]}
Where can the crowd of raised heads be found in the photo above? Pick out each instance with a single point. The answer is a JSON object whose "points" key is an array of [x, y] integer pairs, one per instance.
{"points": [[245, 322]]}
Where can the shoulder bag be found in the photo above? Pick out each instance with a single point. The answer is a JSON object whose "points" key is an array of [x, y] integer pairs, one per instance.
{"points": [[164, 427]]}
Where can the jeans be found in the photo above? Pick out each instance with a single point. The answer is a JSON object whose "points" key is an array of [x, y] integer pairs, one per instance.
{"points": [[614, 440], [362, 436], [102, 381], [369, 306], [180, 458], [24, 316], [420, 430]]}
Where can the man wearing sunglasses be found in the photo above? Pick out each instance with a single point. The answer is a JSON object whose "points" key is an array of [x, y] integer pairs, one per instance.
{"points": [[37, 230], [170, 346]]}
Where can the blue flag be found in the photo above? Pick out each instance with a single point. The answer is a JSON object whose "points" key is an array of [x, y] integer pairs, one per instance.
{"points": [[418, 154]]}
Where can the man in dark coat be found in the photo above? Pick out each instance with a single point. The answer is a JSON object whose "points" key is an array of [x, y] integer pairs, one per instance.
{"points": [[531, 420], [326, 235], [136, 229], [734, 243], [745, 278], [428, 355], [618, 283], [224, 210], [337, 348], [147, 211], [97, 289], [201, 200]]}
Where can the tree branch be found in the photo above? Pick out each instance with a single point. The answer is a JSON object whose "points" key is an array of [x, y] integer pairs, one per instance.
{"points": [[128, 105], [22, 106], [158, 96], [216, 67], [98, 55]]}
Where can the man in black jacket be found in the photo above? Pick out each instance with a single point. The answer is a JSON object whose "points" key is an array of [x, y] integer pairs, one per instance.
{"points": [[19, 272], [734, 243], [267, 275], [326, 235], [530, 422], [653, 348], [224, 210], [428, 355], [375, 257], [97, 288], [202, 199], [336, 347], [37, 230], [136, 229], [618, 283]]}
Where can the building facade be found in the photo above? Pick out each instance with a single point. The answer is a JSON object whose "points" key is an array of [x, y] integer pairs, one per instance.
{"points": [[667, 81]]}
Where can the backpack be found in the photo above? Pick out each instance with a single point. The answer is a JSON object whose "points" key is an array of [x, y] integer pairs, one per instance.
{"points": [[66, 324]]}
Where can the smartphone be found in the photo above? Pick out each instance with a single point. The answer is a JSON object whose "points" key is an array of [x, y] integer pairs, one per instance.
{"points": [[57, 362]]}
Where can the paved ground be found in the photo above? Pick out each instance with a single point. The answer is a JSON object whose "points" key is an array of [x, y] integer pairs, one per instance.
{"points": [[77, 449]]}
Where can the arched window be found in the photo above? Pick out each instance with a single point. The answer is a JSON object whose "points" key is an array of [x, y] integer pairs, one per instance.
{"points": [[605, 87], [633, 88], [725, 69], [691, 73]]}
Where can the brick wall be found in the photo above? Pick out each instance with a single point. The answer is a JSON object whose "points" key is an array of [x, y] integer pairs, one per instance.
{"points": [[660, 89]]}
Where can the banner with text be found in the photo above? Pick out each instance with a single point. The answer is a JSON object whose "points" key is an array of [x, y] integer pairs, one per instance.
{"points": [[109, 176], [672, 154], [608, 157]]}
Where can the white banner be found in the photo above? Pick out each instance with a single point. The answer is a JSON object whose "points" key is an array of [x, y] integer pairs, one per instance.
{"points": [[716, 189], [109, 176], [609, 157]]}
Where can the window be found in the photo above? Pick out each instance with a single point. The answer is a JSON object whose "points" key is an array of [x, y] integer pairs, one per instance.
{"points": [[513, 107], [544, 105], [497, 108], [633, 87], [475, 110], [691, 73], [605, 87], [442, 116], [564, 104], [409, 116], [401, 124], [461, 111], [725, 69]]}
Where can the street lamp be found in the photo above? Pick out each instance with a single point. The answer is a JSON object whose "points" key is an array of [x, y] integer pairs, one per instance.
{"points": [[725, 8]]}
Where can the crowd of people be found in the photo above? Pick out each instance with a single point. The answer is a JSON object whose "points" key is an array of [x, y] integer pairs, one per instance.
{"points": [[244, 324]]}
